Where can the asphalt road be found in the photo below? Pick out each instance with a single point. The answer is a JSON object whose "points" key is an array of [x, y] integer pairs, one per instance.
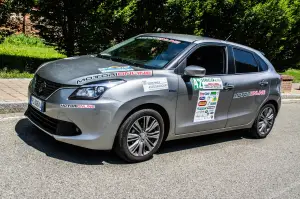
{"points": [[227, 165]]}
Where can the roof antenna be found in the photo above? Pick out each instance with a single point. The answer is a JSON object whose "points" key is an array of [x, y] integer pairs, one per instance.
{"points": [[228, 37]]}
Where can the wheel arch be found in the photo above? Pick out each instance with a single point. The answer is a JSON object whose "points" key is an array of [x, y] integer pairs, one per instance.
{"points": [[274, 103], [161, 110]]}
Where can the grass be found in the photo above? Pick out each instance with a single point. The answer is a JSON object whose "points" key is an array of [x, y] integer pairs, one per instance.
{"points": [[293, 72], [21, 55], [30, 52], [15, 74]]}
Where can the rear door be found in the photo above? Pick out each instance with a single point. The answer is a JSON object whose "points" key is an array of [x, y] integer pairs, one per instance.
{"points": [[202, 104], [251, 83]]}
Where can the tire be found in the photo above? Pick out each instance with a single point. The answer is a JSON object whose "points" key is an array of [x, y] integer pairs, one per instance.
{"points": [[133, 133], [264, 122]]}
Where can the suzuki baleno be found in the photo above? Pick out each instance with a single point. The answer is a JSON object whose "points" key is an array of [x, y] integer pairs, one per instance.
{"points": [[152, 88]]}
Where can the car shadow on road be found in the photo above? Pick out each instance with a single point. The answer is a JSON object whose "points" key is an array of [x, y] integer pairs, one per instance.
{"points": [[39, 140], [200, 141]]}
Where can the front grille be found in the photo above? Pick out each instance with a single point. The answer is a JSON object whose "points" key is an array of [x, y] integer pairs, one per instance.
{"points": [[51, 125], [44, 88]]}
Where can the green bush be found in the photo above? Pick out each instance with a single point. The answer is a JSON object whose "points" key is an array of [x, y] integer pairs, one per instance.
{"points": [[25, 53]]}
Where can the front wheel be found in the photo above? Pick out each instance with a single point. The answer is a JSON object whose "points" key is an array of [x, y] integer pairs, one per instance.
{"points": [[140, 136], [264, 121]]}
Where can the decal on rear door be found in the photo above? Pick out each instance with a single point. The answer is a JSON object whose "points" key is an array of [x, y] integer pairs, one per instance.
{"points": [[249, 94], [206, 105], [206, 83]]}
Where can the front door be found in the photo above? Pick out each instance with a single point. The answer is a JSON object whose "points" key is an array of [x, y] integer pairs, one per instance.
{"points": [[203, 103]]}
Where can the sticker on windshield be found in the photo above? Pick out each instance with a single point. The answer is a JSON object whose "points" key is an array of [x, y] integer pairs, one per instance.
{"points": [[76, 106], [115, 69], [155, 84], [206, 105], [161, 39], [206, 83]]}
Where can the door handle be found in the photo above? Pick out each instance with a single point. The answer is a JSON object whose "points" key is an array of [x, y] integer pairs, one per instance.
{"points": [[228, 86], [263, 83]]}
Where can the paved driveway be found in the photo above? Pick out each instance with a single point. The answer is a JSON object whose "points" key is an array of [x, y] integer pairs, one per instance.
{"points": [[228, 165]]}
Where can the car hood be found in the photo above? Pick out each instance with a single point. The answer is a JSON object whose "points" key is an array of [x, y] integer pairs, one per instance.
{"points": [[87, 69]]}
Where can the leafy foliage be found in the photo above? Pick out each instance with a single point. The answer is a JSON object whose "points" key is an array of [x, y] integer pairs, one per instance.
{"points": [[82, 27]]}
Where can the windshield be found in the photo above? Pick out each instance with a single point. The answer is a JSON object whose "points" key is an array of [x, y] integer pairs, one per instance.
{"points": [[146, 52]]}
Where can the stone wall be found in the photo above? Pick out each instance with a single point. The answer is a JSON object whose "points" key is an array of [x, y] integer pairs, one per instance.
{"points": [[286, 83]]}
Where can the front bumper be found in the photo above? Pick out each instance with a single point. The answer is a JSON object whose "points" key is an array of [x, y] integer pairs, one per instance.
{"points": [[93, 128]]}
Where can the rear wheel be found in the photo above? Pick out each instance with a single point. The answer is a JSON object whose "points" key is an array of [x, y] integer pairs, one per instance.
{"points": [[140, 136], [264, 121]]}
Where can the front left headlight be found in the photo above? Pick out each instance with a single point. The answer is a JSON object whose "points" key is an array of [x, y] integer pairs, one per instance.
{"points": [[94, 91]]}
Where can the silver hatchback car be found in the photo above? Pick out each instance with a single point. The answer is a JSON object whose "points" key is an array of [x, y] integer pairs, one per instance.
{"points": [[152, 88]]}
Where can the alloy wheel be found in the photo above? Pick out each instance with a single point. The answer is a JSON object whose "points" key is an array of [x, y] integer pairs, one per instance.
{"points": [[265, 121], [143, 136]]}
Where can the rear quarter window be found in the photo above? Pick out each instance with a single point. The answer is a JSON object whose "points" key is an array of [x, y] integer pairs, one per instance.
{"points": [[262, 64], [244, 61]]}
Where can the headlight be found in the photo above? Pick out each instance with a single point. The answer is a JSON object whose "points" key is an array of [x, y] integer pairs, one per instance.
{"points": [[94, 91]]}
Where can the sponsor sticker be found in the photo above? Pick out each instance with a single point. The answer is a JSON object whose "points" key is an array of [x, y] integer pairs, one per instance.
{"points": [[155, 84], [202, 103], [206, 83], [205, 109], [77, 106], [115, 69], [202, 98]]}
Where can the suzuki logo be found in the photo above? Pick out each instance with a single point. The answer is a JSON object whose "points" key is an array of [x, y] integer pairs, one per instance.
{"points": [[41, 87]]}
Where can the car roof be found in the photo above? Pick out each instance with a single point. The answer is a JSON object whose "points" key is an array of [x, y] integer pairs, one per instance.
{"points": [[196, 39]]}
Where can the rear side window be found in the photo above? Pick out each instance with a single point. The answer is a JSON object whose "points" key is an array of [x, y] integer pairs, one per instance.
{"points": [[262, 64], [244, 62]]}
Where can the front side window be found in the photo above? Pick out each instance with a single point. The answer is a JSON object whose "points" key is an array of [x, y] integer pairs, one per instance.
{"points": [[212, 58], [146, 51], [244, 62]]}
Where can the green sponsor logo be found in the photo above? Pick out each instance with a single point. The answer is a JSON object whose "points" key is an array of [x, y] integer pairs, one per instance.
{"points": [[197, 83]]}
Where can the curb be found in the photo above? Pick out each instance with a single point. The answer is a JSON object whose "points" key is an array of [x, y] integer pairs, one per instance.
{"points": [[12, 107], [290, 96], [17, 107]]}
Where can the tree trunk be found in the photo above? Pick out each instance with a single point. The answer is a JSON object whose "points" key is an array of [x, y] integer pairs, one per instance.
{"points": [[24, 23]]}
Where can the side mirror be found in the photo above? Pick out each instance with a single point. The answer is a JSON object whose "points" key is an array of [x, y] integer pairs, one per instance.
{"points": [[194, 71]]}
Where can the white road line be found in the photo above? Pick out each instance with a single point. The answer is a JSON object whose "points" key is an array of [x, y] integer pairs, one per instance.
{"points": [[11, 118]]}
